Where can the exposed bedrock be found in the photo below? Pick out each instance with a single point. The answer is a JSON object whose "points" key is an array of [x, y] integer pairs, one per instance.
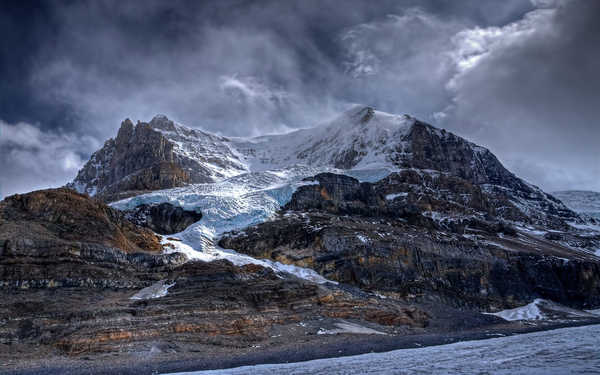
{"points": [[422, 237], [69, 266], [163, 218]]}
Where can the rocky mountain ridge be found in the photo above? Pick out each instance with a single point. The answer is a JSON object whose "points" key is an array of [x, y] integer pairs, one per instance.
{"points": [[162, 154]]}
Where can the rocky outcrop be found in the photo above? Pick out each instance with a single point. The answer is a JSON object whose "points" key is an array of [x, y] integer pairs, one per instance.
{"points": [[61, 218], [58, 238], [163, 218], [146, 157], [423, 237], [210, 304], [69, 266], [486, 271], [139, 159]]}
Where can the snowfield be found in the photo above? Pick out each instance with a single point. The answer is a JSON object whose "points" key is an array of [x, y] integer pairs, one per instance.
{"points": [[555, 352]]}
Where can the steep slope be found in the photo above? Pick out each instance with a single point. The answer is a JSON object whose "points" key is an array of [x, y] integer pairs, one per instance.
{"points": [[63, 219], [74, 276]]}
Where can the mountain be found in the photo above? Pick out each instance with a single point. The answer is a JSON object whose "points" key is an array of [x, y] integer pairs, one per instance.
{"points": [[584, 202], [77, 277], [161, 154], [362, 231], [155, 155]]}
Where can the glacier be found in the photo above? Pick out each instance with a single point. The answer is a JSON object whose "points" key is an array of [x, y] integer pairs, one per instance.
{"points": [[233, 204], [252, 178], [560, 351]]}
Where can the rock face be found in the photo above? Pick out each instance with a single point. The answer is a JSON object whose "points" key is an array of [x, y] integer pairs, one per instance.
{"points": [[69, 265], [383, 237], [150, 156], [210, 304], [412, 191], [58, 237], [161, 154], [63, 217], [162, 218]]}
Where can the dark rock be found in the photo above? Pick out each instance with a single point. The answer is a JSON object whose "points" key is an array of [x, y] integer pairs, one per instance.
{"points": [[416, 234], [553, 236], [63, 216], [163, 218], [420, 264], [69, 265], [138, 160]]}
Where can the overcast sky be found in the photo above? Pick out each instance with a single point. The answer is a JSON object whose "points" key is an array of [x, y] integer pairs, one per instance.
{"points": [[520, 77]]}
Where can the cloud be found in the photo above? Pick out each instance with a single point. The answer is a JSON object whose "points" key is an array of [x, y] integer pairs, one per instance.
{"points": [[517, 76], [32, 159], [396, 62], [233, 79], [528, 90]]}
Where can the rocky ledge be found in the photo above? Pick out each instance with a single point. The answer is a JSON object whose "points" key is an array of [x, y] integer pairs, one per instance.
{"points": [[162, 218]]}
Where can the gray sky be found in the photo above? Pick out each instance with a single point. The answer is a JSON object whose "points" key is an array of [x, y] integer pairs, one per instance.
{"points": [[517, 76]]}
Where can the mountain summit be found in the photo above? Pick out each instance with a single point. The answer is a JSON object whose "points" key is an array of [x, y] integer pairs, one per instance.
{"points": [[162, 154]]}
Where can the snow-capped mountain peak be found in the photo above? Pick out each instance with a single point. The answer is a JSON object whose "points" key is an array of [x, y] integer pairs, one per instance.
{"points": [[164, 154], [359, 138]]}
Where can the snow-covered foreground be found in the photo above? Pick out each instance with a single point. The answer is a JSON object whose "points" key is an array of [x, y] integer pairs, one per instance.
{"points": [[561, 351], [233, 204]]}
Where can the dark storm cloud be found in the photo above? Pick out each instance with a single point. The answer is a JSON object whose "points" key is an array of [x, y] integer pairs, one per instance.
{"points": [[533, 94], [75, 69]]}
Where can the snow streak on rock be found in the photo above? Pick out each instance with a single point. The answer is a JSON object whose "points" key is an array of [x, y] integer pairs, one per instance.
{"points": [[156, 290], [561, 351]]}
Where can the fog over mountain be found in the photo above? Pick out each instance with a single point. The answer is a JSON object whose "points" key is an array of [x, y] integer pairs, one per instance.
{"points": [[519, 77]]}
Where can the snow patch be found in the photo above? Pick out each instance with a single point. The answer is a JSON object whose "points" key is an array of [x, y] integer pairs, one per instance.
{"points": [[347, 327], [530, 311], [391, 197], [156, 290], [362, 238], [594, 312]]}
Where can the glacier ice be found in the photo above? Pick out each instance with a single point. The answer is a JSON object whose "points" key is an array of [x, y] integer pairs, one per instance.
{"points": [[233, 204]]}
